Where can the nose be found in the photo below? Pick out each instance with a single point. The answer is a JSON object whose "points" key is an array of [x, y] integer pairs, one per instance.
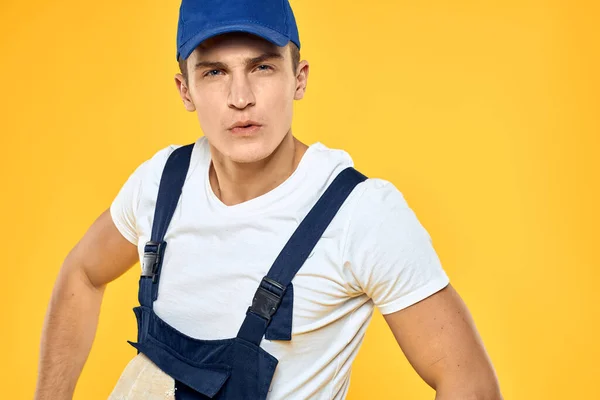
{"points": [[240, 92]]}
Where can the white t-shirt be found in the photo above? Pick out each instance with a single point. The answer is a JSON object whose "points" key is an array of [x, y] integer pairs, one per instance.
{"points": [[375, 252]]}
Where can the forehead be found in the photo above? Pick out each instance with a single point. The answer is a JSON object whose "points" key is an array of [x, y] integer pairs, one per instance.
{"points": [[235, 43]]}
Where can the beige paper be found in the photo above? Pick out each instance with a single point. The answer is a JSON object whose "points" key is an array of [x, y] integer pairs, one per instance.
{"points": [[143, 380]]}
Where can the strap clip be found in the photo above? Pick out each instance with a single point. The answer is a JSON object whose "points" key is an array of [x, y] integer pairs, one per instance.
{"points": [[153, 252], [267, 298]]}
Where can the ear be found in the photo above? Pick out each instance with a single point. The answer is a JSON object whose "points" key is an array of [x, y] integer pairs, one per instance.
{"points": [[184, 92], [301, 79]]}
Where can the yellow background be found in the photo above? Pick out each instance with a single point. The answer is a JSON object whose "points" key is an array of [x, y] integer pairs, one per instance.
{"points": [[485, 116]]}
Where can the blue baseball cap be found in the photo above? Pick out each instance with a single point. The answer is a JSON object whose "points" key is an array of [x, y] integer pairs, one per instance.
{"points": [[199, 20]]}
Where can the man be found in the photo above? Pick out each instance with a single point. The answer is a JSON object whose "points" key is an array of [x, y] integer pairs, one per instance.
{"points": [[227, 205]]}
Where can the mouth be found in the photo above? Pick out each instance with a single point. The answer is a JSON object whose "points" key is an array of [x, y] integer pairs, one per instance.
{"points": [[245, 128]]}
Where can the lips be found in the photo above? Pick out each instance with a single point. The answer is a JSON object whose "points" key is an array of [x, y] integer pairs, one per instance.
{"points": [[244, 127], [244, 124]]}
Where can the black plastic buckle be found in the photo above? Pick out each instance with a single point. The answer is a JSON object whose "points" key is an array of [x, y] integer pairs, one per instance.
{"points": [[153, 252], [267, 298]]}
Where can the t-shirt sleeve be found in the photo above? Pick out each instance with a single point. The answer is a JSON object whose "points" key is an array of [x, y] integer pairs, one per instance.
{"points": [[124, 206], [390, 253], [142, 182]]}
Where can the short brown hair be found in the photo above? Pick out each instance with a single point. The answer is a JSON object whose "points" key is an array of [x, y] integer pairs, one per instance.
{"points": [[294, 52]]}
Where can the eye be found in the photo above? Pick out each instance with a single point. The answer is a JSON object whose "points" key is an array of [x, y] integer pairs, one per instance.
{"points": [[212, 72], [264, 67]]}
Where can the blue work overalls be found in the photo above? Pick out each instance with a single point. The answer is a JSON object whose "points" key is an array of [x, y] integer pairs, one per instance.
{"points": [[236, 368]]}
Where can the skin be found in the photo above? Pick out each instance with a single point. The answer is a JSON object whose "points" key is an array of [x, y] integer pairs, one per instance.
{"points": [[437, 334], [238, 89], [439, 338]]}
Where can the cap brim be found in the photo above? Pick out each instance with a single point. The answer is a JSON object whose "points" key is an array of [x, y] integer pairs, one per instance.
{"points": [[265, 33]]}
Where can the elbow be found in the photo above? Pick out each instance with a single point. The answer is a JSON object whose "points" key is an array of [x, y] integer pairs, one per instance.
{"points": [[488, 393], [474, 390], [489, 389], [482, 394]]}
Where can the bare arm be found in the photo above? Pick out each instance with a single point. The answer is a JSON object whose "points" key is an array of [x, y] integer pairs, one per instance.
{"points": [[440, 340], [101, 256]]}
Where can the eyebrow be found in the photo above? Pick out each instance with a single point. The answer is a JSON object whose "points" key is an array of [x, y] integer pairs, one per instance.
{"points": [[248, 61]]}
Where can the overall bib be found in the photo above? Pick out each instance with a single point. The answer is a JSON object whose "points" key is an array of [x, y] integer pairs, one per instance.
{"points": [[236, 368]]}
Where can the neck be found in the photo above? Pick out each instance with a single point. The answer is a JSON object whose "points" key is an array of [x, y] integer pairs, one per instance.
{"points": [[234, 183]]}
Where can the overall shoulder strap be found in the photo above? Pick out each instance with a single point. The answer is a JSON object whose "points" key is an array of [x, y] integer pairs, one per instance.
{"points": [[171, 185], [276, 287], [169, 191], [310, 230]]}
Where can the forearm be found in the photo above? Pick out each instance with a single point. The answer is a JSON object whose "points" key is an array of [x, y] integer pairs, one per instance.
{"points": [[68, 334]]}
